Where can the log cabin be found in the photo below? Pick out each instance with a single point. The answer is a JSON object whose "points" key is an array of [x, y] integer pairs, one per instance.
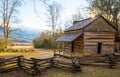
{"points": [[93, 35]]}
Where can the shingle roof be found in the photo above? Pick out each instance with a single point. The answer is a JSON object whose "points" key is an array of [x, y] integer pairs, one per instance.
{"points": [[68, 37], [82, 24]]}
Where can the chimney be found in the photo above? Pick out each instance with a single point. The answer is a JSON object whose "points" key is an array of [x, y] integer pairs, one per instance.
{"points": [[74, 22]]}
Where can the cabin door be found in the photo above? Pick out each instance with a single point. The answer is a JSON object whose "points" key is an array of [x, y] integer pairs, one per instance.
{"points": [[99, 48], [117, 46], [72, 47]]}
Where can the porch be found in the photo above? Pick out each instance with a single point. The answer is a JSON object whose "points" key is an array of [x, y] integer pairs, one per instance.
{"points": [[70, 45]]}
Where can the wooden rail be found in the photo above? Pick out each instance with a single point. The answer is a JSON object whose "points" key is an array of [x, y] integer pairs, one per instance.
{"points": [[10, 64], [35, 66]]}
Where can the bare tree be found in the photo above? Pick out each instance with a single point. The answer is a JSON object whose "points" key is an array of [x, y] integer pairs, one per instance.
{"points": [[53, 15], [77, 16], [8, 13], [110, 9]]}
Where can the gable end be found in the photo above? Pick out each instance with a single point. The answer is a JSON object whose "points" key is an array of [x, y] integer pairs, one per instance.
{"points": [[100, 25]]}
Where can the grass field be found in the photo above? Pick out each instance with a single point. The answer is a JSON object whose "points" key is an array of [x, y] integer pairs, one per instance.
{"points": [[88, 71], [39, 54]]}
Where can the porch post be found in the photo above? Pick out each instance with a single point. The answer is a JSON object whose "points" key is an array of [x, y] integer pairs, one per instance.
{"points": [[71, 49], [118, 47], [59, 48], [63, 48]]}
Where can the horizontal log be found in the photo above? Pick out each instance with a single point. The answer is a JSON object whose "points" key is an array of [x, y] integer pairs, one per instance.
{"points": [[98, 33], [66, 47], [61, 62], [6, 60], [67, 50], [28, 62], [35, 59], [60, 66], [26, 65], [78, 44], [8, 67], [108, 45], [99, 37], [101, 40], [9, 63], [78, 49], [79, 40], [43, 63], [95, 43], [4, 70], [45, 68], [11, 59]]}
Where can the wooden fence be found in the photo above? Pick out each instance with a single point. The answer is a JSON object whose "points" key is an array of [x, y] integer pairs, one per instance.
{"points": [[73, 67], [34, 66], [109, 61], [10, 64]]}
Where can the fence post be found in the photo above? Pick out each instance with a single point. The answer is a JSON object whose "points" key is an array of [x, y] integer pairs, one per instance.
{"points": [[111, 60], [34, 68], [52, 62], [76, 65], [19, 61], [2, 63], [54, 52]]}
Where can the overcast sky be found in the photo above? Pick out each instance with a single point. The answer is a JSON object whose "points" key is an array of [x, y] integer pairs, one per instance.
{"points": [[37, 21]]}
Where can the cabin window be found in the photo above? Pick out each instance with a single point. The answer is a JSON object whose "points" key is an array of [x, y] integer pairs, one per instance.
{"points": [[99, 48], [72, 47]]}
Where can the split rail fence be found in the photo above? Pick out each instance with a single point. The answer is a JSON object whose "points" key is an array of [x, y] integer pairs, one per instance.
{"points": [[35, 66]]}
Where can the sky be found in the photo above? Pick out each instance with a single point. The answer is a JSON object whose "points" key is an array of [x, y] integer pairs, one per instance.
{"points": [[36, 21]]}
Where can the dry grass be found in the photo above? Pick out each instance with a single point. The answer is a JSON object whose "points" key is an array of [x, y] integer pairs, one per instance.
{"points": [[88, 71], [40, 54], [20, 47]]}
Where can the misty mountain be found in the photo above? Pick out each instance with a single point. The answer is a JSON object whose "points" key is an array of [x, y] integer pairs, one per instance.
{"points": [[25, 35]]}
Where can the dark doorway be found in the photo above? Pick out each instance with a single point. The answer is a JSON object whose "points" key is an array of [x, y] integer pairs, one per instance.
{"points": [[72, 47], [99, 48]]}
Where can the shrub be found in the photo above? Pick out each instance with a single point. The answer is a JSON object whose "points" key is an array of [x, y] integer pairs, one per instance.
{"points": [[45, 40]]}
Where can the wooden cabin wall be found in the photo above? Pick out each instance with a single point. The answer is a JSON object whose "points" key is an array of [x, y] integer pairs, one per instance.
{"points": [[100, 25], [67, 48], [91, 40], [78, 45]]}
